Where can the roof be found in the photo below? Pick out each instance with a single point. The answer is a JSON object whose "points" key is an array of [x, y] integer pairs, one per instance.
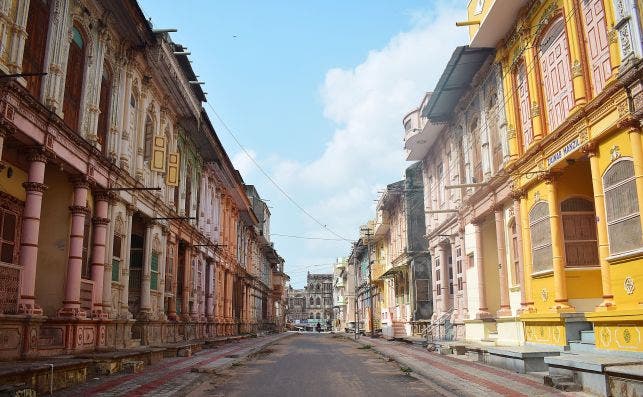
{"points": [[456, 79], [184, 63]]}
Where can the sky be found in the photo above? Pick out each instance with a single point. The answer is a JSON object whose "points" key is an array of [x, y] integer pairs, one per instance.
{"points": [[315, 92]]}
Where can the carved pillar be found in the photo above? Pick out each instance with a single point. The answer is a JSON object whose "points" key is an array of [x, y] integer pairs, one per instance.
{"points": [[483, 311], [520, 276], [557, 246], [146, 308], [172, 307], [107, 268], [601, 227], [58, 39], [441, 252], [574, 39], [163, 272], [209, 298], [6, 129], [533, 82], [125, 313], [34, 188], [79, 210], [505, 307], [100, 222], [185, 302]]}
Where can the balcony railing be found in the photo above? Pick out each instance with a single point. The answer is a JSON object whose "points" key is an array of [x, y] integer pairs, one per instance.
{"points": [[10, 281], [135, 278]]}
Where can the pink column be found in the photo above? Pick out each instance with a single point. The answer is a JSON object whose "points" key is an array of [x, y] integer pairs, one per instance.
{"points": [[209, 298], [516, 206], [100, 222], [34, 188], [465, 265], [505, 307], [483, 311], [444, 277], [79, 210]]}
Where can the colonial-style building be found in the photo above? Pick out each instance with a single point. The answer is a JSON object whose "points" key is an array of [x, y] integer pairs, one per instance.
{"points": [[124, 221]]}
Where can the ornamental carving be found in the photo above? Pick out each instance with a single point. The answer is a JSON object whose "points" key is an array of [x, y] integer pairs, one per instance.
{"points": [[79, 210], [615, 152], [577, 68], [535, 110], [544, 294], [628, 285], [34, 187], [627, 335]]}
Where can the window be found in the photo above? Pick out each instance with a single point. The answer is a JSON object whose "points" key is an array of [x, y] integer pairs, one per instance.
{"points": [[188, 191], [154, 271], [539, 228], [147, 138], [476, 150], [116, 256], [597, 41], [318, 301], [312, 301], [311, 316], [555, 69], [440, 178], [317, 316], [8, 238], [579, 231], [103, 106], [524, 106], [74, 79], [132, 114], [622, 207], [33, 59]]}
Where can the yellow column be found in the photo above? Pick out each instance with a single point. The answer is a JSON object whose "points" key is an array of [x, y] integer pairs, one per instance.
{"points": [[557, 247], [612, 34], [574, 38], [510, 110], [634, 133], [537, 108], [601, 228], [526, 253]]}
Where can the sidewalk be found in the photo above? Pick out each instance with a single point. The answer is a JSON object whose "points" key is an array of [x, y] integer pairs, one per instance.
{"points": [[459, 376], [172, 376]]}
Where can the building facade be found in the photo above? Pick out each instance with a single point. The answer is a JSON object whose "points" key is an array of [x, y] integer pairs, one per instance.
{"points": [[340, 295], [116, 187]]}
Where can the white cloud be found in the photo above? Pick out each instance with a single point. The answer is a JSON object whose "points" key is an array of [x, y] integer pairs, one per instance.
{"points": [[243, 162], [366, 103]]}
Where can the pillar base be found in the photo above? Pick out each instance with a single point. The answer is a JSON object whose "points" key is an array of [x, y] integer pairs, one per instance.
{"points": [[504, 312], [72, 312], [99, 314], [563, 307], [31, 309], [606, 305], [483, 314], [172, 317]]}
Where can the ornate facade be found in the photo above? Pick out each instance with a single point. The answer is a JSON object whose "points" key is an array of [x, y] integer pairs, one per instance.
{"points": [[124, 220]]}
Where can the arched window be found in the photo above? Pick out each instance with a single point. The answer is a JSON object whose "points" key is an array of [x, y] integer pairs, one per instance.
{"points": [[132, 114], [147, 138], [540, 231], [318, 301], [556, 73], [579, 232], [317, 316], [74, 78], [597, 41], [513, 235], [312, 301], [476, 150], [103, 106], [622, 207], [117, 248], [33, 58], [524, 106]]}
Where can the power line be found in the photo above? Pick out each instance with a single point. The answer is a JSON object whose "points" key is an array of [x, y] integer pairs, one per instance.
{"points": [[267, 175], [306, 238]]}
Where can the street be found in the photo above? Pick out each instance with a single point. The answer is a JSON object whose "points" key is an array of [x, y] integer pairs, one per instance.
{"points": [[311, 364]]}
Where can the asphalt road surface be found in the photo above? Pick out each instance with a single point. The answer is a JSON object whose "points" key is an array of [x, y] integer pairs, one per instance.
{"points": [[313, 365]]}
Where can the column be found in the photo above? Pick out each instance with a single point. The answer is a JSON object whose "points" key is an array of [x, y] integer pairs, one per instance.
{"points": [[505, 307], [100, 222], [557, 246], [79, 210], [146, 308], [5, 129], [634, 133], [171, 306], [160, 307], [526, 254], [612, 35], [209, 297], [107, 276], [483, 311], [533, 81], [465, 265], [574, 39], [34, 188], [444, 276], [510, 110], [126, 262], [516, 194], [601, 228]]}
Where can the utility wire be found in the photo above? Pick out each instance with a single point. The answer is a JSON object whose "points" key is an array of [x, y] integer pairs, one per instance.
{"points": [[306, 238], [267, 175]]}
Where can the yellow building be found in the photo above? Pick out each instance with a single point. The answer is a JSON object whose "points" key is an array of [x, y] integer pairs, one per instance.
{"points": [[570, 71]]}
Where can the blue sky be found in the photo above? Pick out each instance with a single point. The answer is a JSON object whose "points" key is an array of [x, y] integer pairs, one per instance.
{"points": [[315, 90]]}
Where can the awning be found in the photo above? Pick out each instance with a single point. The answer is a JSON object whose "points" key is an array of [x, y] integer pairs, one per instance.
{"points": [[395, 270], [454, 82]]}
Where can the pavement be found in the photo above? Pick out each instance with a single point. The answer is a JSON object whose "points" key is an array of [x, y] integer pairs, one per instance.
{"points": [[314, 365], [174, 376], [458, 375]]}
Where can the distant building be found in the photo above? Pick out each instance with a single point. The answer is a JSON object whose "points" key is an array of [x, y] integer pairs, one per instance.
{"points": [[340, 295], [319, 292]]}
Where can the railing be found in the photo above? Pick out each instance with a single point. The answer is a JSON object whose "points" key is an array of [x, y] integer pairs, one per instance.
{"points": [[10, 282], [430, 330], [135, 276], [168, 282]]}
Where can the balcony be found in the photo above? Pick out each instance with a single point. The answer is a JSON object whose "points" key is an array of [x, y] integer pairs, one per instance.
{"points": [[377, 269], [419, 133], [496, 18]]}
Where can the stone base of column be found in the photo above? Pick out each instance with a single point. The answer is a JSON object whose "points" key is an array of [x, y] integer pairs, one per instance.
{"points": [[29, 308], [72, 312], [607, 304], [563, 306], [482, 314], [99, 314], [504, 311]]}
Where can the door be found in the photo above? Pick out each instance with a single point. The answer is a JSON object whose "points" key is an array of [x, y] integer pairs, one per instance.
{"points": [[597, 42]]}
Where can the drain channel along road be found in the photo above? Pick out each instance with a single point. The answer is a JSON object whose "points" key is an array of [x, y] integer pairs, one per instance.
{"points": [[313, 365]]}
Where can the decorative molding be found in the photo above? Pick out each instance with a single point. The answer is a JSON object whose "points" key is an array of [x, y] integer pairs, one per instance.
{"points": [[628, 285], [577, 69]]}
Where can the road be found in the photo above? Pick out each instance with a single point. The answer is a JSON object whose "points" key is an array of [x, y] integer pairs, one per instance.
{"points": [[313, 365]]}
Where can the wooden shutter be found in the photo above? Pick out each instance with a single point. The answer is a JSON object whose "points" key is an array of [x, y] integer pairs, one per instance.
{"points": [[579, 232], [33, 59], [524, 106], [622, 207], [540, 231], [597, 42], [555, 68], [154, 271], [172, 176], [158, 154], [103, 106], [74, 80]]}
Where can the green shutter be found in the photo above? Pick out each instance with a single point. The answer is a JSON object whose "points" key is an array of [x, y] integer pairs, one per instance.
{"points": [[154, 276], [116, 269]]}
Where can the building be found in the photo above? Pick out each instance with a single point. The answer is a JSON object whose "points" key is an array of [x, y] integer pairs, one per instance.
{"points": [[115, 186], [297, 303], [340, 295], [319, 295]]}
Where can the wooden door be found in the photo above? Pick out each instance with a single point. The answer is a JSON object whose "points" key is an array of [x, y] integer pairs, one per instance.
{"points": [[597, 42], [556, 72], [105, 94], [33, 59], [524, 106], [74, 80]]}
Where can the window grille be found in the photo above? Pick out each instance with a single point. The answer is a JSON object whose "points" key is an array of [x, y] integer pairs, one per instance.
{"points": [[540, 237], [622, 207], [579, 231]]}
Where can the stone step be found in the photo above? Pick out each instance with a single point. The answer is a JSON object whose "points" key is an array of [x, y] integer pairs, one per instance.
{"points": [[553, 380], [587, 336], [568, 386], [582, 347]]}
